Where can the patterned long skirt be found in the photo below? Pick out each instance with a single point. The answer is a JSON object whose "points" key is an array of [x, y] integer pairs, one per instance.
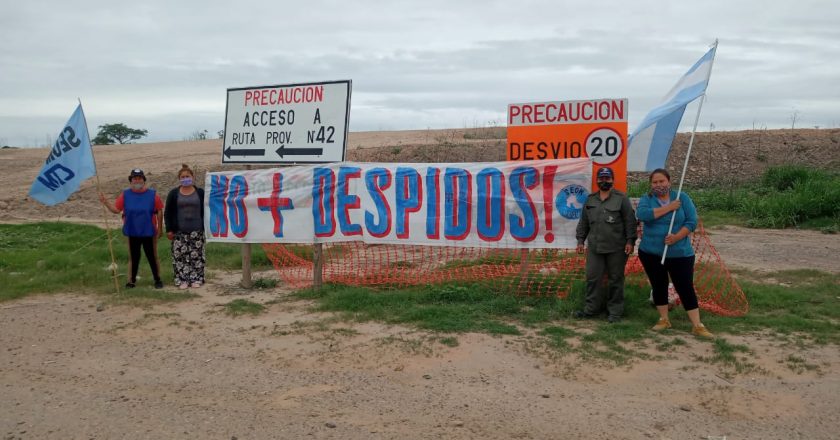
{"points": [[188, 257]]}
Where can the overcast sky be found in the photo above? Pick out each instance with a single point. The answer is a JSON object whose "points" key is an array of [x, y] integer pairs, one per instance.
{"points": [[165, 65]]}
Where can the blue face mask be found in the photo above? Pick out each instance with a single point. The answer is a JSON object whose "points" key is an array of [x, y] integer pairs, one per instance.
{"points": [[186, 181]]}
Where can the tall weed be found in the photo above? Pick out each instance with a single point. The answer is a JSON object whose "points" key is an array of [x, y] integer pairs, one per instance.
{"points": [[784, 196]]}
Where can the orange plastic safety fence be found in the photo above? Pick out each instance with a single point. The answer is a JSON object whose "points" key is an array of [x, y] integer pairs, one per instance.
{"points": [[520, 271]]}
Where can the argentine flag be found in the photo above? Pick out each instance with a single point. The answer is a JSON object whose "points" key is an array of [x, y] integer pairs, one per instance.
{"points": [[69, 164], [650, 143]]}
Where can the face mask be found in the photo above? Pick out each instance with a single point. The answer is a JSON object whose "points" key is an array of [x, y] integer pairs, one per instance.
{"points": [[186, 181], [605, 186], [137, 186], [661, 190]]}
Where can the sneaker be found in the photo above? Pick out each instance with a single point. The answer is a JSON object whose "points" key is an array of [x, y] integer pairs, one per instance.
{"points": [[580, 314], [196, 284], [183, 286], [662, 324], [129, 285], [158, 284], [702, 331], [612, 319]]}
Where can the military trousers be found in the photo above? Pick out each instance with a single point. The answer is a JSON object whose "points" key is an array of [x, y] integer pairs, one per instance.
{"points": [[598, 295]]}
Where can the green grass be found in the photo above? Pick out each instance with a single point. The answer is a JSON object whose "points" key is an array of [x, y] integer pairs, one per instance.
{"points": [[60, 257], [671, 344], [637, 189], [56, 257], [802, 306], [265, 283], [450, 308], [460, 308], [228, 256], [712, 218], [243, 306], [784, 196], [449, 341], [512, 257], [558, 337], [799, 365], [727, 356], [804, 311]]}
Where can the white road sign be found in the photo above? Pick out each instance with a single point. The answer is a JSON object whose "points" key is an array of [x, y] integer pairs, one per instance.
{"points": [[293, 123]]}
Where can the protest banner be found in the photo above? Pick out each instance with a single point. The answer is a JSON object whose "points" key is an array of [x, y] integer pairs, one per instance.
{"points": [[498, 204]]}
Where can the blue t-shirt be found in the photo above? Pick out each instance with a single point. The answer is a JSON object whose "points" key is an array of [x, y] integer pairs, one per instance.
{"points": [[655, 230]]}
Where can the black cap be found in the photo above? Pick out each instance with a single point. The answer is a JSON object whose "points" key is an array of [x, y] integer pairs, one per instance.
{"points": [[605, 172], [136, 172]]}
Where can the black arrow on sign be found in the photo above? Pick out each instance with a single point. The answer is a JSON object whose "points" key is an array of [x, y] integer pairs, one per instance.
{"points": [[244, 152], [298, 151]]}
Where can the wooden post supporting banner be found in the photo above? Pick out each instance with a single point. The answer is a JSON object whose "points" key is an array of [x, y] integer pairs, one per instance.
{"points": [[246, 266], [318, 263], [246, 260], [524, 263]]}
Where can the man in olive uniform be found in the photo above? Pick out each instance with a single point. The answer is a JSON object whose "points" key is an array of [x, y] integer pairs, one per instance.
{"points": [[608, 224]]}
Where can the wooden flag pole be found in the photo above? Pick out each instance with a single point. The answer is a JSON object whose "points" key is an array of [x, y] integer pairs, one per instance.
{"points": [[108, 233], [104, 214]]}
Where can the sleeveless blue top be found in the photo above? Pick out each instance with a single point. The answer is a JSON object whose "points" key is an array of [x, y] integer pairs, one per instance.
{"points": [[138, 210]]}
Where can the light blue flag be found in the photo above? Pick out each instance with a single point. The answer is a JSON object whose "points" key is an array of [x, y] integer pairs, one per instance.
{"points": [[650, 142], [69, 164]]}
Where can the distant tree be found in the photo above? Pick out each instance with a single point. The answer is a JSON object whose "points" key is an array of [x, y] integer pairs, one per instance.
{"points": [[221, 133], [793, 118], [198, 135], [118, 133]]}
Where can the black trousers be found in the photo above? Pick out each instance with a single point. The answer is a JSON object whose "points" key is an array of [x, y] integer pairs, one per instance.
{"points": [[149, 248], [681, 272]]}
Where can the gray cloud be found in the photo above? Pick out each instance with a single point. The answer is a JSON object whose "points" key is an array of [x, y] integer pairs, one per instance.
{"points": [[165, 66]]}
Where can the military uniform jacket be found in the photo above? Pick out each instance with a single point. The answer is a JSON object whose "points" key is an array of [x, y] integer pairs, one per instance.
{"points": [[607, 225]]}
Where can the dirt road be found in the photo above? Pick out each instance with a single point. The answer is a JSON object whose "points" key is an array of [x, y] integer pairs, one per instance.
{"points": [[190, 371]]}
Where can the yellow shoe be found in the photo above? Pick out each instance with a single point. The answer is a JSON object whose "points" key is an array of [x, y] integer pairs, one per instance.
{"points": [[662, 324], [702, 331]]}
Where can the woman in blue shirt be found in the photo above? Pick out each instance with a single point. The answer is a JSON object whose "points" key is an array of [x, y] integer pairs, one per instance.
{"points": [[654, 211]]}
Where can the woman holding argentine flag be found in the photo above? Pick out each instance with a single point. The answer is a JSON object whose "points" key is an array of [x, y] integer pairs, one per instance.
{"points": [[142, 223], [184, 215], [654, 211]]}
